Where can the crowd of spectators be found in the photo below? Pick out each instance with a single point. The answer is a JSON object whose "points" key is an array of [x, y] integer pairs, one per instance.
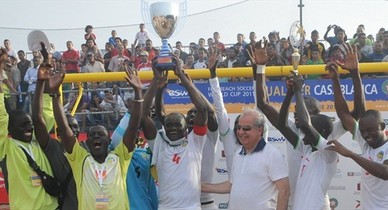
{"points": [[120, 55]]}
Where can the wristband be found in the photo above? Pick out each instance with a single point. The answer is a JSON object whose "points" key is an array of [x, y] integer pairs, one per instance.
{"points": [[260, 69], [54, 95], [139, 101]]}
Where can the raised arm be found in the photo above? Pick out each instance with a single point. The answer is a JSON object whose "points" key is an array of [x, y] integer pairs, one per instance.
{"points": [[44, 73], [301, 112], [340, 104], [159, 104], [201, 116], [350, 63], [282, 123], [147, 124], [259, 58], [64, 131], [131, 133]]}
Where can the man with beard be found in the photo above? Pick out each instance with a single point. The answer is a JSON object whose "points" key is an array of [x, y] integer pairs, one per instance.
{"points": [[23, 184], [178, 153], [99, 174]]}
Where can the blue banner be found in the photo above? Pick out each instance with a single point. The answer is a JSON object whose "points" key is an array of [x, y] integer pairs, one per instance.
{"points": [[242, 92]]}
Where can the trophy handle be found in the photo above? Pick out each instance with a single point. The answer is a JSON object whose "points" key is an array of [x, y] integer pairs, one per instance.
{"points": [[182, 17], [145, 13]]}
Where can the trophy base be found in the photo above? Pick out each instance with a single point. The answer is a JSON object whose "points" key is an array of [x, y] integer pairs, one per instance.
{"points": [[165, 63]]}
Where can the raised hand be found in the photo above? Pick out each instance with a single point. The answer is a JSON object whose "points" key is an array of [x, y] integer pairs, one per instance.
{"points": [[178, 71], [55, 80], [212, 60], [338, 147], [332, 69], [350, 62], [133, 79], [297, 81], [258, 54], [45, 69]]}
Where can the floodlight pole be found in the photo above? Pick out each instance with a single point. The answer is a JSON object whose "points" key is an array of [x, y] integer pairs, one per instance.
{"points": [[301, 5]]}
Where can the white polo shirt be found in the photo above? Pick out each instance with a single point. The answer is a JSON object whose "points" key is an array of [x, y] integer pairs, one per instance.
{"points": [[253, 176]]}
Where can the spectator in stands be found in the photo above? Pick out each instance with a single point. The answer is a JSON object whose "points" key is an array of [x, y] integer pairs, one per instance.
{"points": [[385, 43], [31, 77], [107, 55], [183, 54], [56, 54], [13, 74], [315, 60], [371, 38], [141, 37], [82, 107], [360, 30], [220, 45], [231, 61], [115, 50], [339, 38], [92, 48], [10, 51], [189, 62], [201, 42], [378, 53], [177, 54], [35, 54], [314, 43], [89, 33], [335, 54], [128, 51], [70, 58], [380, 35], [276, 59], [251, 44], [136, 58], [201, 62], [112, 38], [274, 38], [94, 106], [93, 66], [150, 49], [117, 61], [241, 40], [363, 48], [23, 66], [240, 54], [115, 104], [286, 50], [210, 41]]}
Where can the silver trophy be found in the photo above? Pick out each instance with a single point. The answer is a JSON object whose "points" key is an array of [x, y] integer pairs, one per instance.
{"points": [[165, 18], [296, 40]]}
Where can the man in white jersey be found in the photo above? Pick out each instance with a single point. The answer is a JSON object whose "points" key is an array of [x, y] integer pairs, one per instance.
{"points": [[259, 178], [284, 124], [177, 154], [369, 132], [318, 165]]}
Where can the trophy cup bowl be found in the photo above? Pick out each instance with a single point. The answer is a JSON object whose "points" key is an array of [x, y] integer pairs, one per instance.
{"points": [[164, 19], [296, 40]]}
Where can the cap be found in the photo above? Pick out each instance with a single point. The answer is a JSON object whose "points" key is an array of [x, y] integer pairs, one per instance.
{"points": [[144, 53], [35, 38]]}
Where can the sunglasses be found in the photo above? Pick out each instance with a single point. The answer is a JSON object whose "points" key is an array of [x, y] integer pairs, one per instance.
{"points": [[245, 127]]}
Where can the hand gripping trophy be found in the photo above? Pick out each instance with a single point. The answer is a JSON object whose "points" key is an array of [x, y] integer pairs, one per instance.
{"points": [[165, 17]]}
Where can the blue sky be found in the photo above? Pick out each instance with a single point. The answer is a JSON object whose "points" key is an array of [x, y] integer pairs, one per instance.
{"points": [[64, 20]]}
